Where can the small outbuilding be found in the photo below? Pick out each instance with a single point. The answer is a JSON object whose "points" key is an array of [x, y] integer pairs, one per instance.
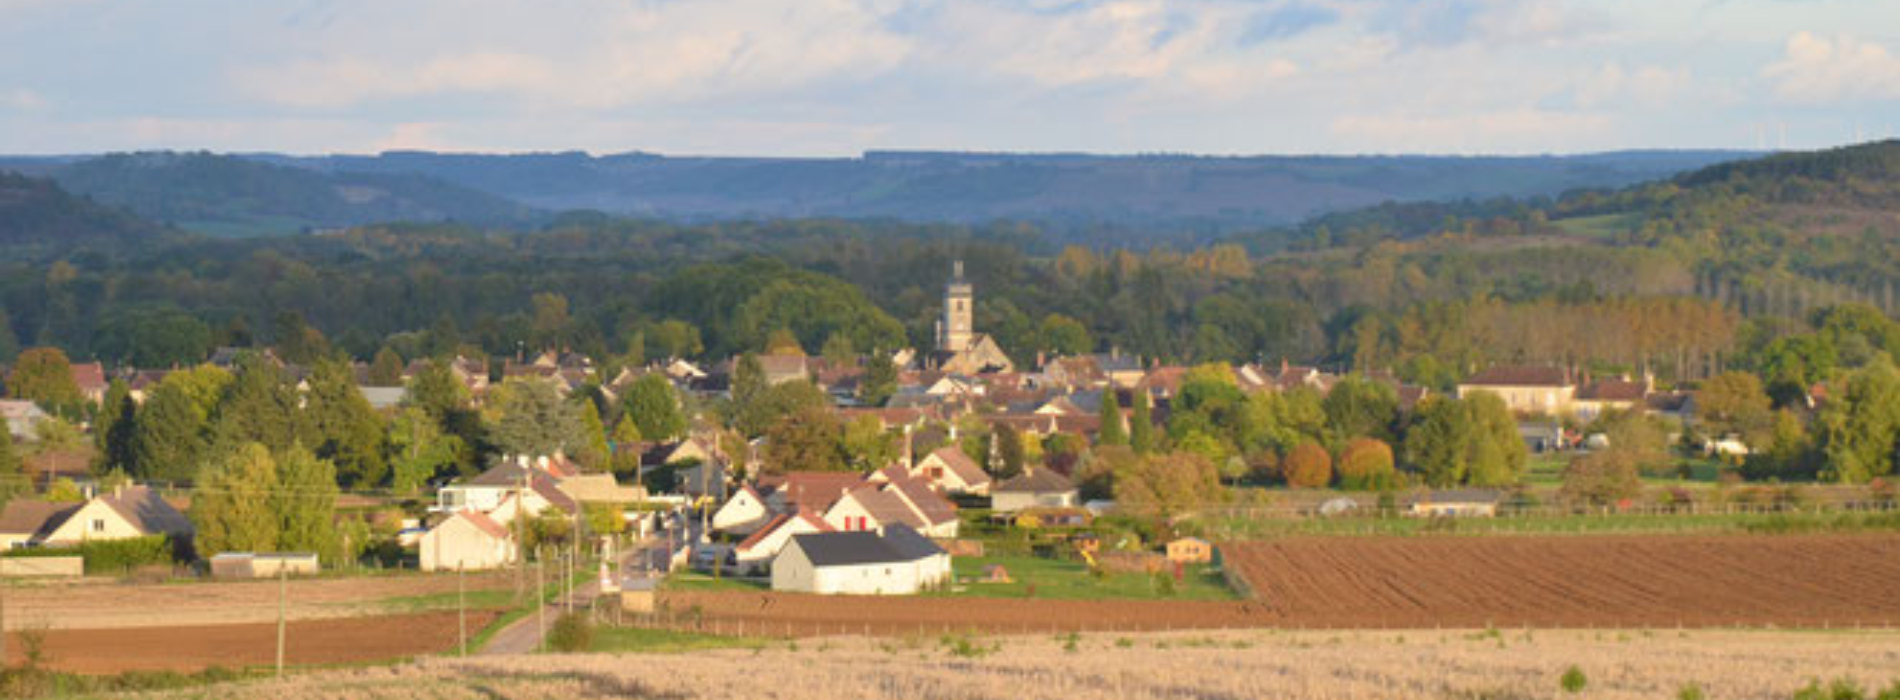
{"points": [[469, 541], [1190, 550], [242, 565], [1457, 503]]}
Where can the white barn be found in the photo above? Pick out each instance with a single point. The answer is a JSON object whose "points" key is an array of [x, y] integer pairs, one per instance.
{"points": [[897, 562]]}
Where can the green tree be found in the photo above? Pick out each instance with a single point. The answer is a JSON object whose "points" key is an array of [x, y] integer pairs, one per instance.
{"points": [[750, 414], [44, 376], [1860, 428], [838, 350], [64, 490], [1009, 451], [9, 342], [1141, 426], [1359, 407], [113, 429], [169, 433], [867, 445], [811, 439], [13, 477], [418, 450], [1112, 430], [1466, 441], [1602, 477], [626, 447], [782, 343], [1367, 465], [1161, 487], [298, 342], [674, 339], [655, 408], [1735, 403], [233, 509], [594, 452], [880, 380], [345, 430], [534, 420], [259, 405], [1062, 335], [305, 503], [386, 369], [436, 390]]}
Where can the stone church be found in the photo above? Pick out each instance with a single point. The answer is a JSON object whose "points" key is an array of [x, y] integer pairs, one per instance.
{"points": [[960, 349]]}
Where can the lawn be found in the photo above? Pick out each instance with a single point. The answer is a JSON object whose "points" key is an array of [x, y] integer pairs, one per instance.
{"points": [[1071, 580], [699, 582], [658, 641]]}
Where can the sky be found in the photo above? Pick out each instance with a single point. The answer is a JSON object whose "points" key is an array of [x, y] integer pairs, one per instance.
{"points": [[838, 77]]}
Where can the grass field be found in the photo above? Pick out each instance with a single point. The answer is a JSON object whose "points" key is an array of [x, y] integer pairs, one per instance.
{"points": [[1069, 580]]}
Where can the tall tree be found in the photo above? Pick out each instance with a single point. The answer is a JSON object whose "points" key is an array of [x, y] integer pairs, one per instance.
{"points": [[868, 445], [436, 390], [1466, 441], [808, 440], [386, 369], [169, 433], [655, 408], [1009, 451], [13, 477], [44, 376], [305, 503], [298, 342], [673, 338], [1112, 430], [9, 342], [626, 447], [1735, 403], [418, 450], [234, 507], [259, 405], [534, 420], [751, 413], [1860, 428], [1141, 425], [593, 450], [112, 428], [343, 426], [880, 379], [1160, 487], [1359, 407]]}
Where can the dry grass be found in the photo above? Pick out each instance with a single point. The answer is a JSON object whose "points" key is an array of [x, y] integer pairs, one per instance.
{"points": [[1304, 665]]}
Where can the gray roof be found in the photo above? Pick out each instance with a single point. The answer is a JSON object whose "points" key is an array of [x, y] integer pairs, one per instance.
{"points": [[1037, 481], [900, 543], [148, 512]]}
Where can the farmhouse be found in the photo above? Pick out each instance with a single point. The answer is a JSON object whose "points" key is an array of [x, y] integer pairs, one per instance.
{"points": [[126, 513], [907, 502], [952, 472], [897, 562], [468, 540], [1529, 390], [1034, 488]]}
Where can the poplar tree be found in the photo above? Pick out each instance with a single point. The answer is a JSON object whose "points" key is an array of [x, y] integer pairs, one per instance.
{"points": [[1141, 428], [1112, 432], [234, 506], [343, 427], [305, 503]]}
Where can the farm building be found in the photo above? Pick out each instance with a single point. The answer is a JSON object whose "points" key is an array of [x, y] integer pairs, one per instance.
{"points": [[1190, 550], [467, 540], [1034, 488], [1458, 503], [756, 553], [239, 565], [896, 562]]}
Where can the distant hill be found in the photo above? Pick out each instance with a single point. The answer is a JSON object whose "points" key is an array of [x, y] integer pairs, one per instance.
{"points": [[235, 196], [1208, 193], [35, 212]]}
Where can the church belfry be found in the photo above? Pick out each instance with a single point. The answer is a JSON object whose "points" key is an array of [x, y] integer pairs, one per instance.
{"points": [[954, 333]]}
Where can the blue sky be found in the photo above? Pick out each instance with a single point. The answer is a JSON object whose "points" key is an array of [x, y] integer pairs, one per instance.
{"points": [[836, 77]]}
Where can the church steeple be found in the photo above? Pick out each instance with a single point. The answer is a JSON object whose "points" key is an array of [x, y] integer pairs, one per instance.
{"points": [[954, 332]]}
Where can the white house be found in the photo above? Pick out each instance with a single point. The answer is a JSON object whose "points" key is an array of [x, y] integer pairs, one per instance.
{"points": [[1034, 488], [757, 552], [908, 502], [952, 472], [125, 513], [467, 540], [743, 514], [897, 562]]}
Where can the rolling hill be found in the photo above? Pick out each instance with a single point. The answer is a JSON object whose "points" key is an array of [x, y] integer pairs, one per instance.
{"points": [[36, 212]]}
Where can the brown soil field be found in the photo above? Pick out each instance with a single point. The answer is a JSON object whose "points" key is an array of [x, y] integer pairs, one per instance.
{"points": [[110, 605], [1842, 581], [1311, 665], [193, 648]]}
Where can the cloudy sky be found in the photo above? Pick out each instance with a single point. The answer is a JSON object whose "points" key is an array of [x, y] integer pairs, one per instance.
{"points": [[836, 77]]}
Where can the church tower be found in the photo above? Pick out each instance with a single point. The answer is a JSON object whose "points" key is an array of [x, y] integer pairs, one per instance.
{"points": [[954, 332]]}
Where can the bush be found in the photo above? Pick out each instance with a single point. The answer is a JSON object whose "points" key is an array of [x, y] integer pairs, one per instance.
{"points": [[105, 557], [1308, 466], [572, 632], [1573, 680], [1366, 465]]}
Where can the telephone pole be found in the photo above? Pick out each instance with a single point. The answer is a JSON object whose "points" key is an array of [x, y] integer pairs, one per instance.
{"points": [[283, 601], [540, 600]]}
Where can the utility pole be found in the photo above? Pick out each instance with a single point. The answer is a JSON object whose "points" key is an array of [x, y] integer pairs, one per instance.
{"points": [[283, 604], [521, 536], [540, 600], [461, 605]]}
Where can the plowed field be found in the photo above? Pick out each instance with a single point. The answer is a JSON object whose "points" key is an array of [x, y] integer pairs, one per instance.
{"points": [[1838, 580], [307, 642], [1417, 582]]}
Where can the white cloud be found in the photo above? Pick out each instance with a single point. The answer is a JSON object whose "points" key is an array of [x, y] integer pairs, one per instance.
{"points": [[1612, 84], [21, 99], [1510, 130], [1819, 70]]}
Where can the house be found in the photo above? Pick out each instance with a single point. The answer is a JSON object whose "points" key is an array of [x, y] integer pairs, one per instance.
{"points": [[468, 541], [951, 471], [870, 507], [1602, 396], [898, 561], [91, 379], [125, 513], [1457, 503], [1190, 550], [757, 552], [780, 369], [23, 418], [813, 490], [1533, 390], [383, 398], [1034, 488], [743, 514]]}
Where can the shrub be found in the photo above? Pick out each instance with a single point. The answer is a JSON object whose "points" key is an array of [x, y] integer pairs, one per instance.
{"points": [[1366, 465], [112, 556], [1308, 466], [572, 632], [1689, 691], [1573, 680]]}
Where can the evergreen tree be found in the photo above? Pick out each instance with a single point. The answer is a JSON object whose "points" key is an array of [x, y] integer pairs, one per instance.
{"points": [[345, 430], [1009, 451], [436, 390], [234, 507], [258, 406], [880, 380], [534, 420], [9, 342], [13, 477], [1112, 432], [626, 447], [305, 503], [593, 449], [1141, 426], [168, 434], [751, 415], [655, 408], [112, 428], [386, 369]]}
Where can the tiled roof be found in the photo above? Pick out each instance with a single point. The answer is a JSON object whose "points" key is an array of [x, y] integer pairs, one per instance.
{"points": [[1036, 481], [1519, 376]]}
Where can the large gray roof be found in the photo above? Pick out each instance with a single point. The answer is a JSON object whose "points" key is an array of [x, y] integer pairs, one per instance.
{"points": [[899, 543]]}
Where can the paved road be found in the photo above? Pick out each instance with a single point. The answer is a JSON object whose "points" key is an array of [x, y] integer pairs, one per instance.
{"points": [[524, 636]]}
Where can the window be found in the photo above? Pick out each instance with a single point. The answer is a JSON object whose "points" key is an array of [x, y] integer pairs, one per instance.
{"points": [[98, 525]]}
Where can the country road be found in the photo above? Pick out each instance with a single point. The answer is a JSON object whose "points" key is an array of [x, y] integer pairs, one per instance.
{"points": [[523, 636]]}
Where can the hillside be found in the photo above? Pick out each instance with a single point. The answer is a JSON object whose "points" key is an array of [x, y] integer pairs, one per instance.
{"points": [[35, 211], [1064, 191], [229, 195]]}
